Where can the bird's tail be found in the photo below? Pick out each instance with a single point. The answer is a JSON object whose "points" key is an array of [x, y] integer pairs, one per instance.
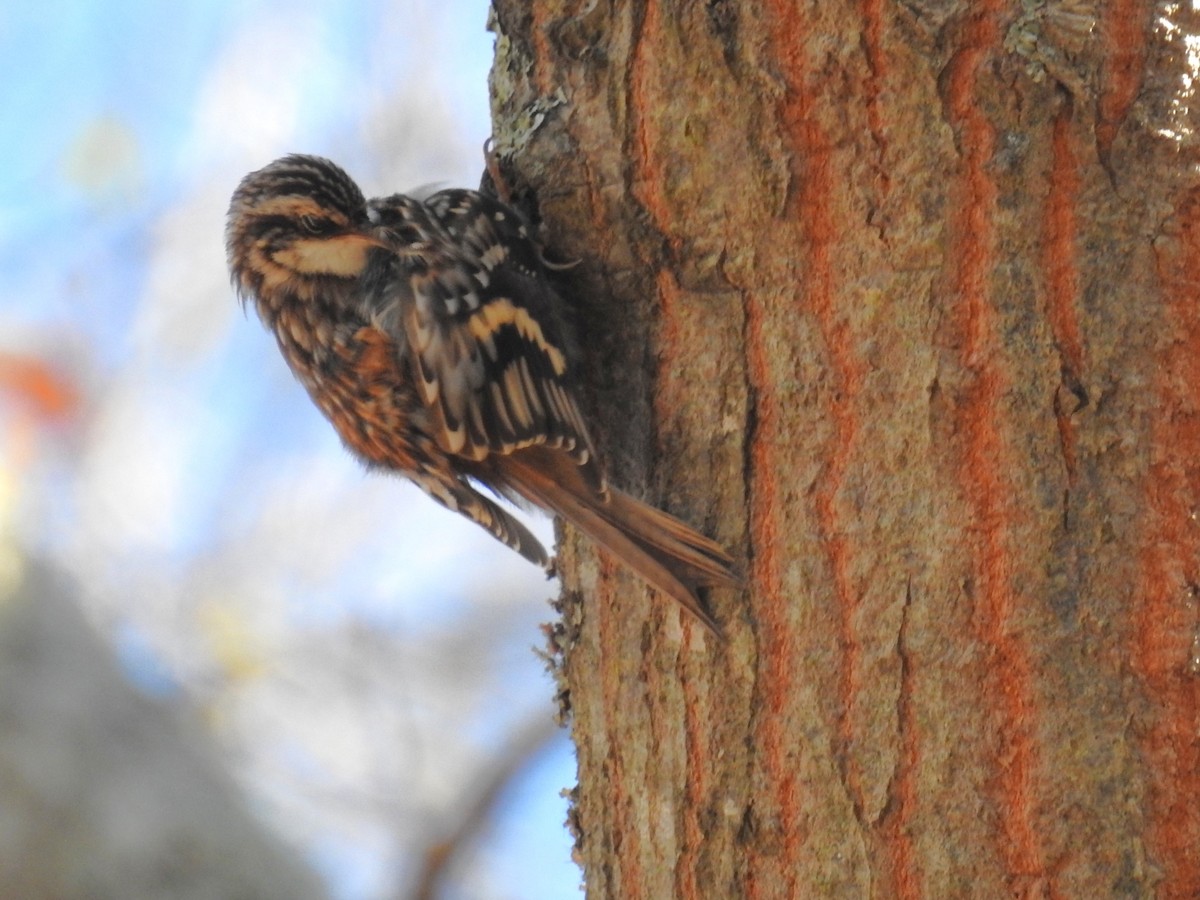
{"points": [[664, 551]]}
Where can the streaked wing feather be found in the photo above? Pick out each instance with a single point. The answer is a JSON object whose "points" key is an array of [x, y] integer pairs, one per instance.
{"points": [[457, 495], [489, 351]]}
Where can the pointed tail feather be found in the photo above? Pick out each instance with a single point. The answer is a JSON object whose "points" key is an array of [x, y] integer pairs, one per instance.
{"points": [[497, 521], [664, 551], [705, 561]]}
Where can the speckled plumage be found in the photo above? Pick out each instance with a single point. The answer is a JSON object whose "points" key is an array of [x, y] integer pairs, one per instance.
{"points": [[429, 336]]}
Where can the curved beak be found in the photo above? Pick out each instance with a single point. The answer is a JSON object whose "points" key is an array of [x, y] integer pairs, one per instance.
{"points": [[370, 238]]}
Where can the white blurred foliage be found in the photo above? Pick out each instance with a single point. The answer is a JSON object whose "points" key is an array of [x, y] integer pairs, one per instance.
{"points": [[185, 315], [254, 96], [132, 470]]}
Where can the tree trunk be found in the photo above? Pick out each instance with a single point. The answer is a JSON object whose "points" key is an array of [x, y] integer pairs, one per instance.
{"points": [[898, 301]]}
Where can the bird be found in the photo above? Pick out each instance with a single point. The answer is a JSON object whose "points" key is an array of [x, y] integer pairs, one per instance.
{"points": [[428, 333]]}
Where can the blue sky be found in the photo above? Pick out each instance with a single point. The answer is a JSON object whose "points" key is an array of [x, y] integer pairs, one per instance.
{"points": [[197, 473]]}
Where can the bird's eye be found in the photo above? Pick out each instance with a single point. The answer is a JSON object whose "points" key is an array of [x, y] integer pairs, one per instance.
{"points": [[313, 224]]}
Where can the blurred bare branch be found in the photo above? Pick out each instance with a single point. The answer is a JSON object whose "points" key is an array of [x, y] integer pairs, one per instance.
{"points": [[478, 804]]}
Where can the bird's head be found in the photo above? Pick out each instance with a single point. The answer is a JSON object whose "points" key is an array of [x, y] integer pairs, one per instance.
{"points": [[296, 226]]}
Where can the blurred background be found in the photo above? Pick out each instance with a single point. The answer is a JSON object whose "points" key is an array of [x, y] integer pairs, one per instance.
{"points": [[218, 634]]}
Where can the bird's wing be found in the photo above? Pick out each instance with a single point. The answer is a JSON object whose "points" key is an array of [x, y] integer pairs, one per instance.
{"points": [[489, 352], [456, 494]]}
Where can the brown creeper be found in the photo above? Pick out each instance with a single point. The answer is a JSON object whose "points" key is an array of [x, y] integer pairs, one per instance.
{"points": [[428, 334]]}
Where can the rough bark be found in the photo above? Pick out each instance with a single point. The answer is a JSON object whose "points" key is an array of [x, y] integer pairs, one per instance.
{"points": [[898, 300]]}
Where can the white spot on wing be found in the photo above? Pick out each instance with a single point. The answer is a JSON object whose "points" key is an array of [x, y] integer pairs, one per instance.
{"points": [[493, 256]]}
